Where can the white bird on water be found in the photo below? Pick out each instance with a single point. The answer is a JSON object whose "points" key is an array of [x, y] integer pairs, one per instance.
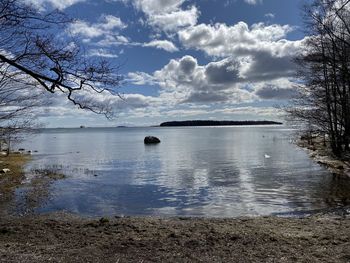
{"points": [[267, 156]]}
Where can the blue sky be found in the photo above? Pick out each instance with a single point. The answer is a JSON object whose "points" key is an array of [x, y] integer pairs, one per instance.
{"points": [[186, 59]]}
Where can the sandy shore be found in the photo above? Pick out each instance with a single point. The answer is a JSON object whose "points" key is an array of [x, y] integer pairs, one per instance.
{"points": [[64, 238]]}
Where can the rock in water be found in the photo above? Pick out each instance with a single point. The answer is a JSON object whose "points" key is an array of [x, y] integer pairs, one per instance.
{"points": [[151, 140]]}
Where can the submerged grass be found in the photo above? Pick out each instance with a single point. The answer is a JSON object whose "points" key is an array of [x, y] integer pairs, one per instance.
{"points": [[36, 189], [11, 179]]}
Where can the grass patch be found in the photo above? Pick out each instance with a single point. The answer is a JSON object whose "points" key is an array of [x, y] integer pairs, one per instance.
{"points": [[15, 163], [48, 173]]}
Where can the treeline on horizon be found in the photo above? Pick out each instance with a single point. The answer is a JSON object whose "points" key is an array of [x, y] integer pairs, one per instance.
{"points": [[216, 123]]}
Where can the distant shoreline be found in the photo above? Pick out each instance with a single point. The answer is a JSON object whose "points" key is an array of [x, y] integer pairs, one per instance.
{"points": [[216, 123]]}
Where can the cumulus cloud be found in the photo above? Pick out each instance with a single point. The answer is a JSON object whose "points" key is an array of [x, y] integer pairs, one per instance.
{"points": [[274, 92], [227, 80], [281, 89], [261, 51], [252, 63], [222, 72], [222, 40], [264, 66], [249, 62], [172, 21], [206, 97], [214, 82], [166, 15]]}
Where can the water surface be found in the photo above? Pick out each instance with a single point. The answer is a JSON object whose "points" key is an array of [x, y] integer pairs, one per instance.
{"points": [[194, 171]]}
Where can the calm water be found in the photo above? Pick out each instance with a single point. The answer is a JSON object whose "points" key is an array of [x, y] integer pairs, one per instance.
{"points": [[204, 171]]}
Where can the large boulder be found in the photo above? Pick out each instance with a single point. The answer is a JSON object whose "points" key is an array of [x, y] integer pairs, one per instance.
{"points": [[151, 140]]}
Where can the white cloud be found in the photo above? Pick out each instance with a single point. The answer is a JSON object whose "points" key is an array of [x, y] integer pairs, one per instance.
{"points": [[253, 2], [162, 44], [140, 78], [158, 6], [252, 63], [61, 4], [107, 30], [261, 51], [105, 33], [113, 40], [222, 40], [225, 81], [172, 21], [106, 26], [166, 15], [109, 22], [270, 15], [101, 53], [187, 82], [85, 29]]}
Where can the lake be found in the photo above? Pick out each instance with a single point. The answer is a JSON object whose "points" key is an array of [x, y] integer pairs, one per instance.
{"points": [[194, 171]]}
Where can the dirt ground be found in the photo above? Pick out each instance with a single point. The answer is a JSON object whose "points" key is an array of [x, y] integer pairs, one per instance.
{"points": [[64, 238]]}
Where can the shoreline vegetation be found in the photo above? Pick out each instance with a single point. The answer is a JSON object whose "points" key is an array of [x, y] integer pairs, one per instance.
{"points": [[319, 149], [36, 183], [216, 123], [13, 164]]}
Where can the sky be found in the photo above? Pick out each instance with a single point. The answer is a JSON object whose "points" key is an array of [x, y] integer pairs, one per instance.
{"points": [[186, 59]]}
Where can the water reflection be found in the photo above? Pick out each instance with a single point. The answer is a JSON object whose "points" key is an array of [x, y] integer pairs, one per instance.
{"points": [[194, 171]]}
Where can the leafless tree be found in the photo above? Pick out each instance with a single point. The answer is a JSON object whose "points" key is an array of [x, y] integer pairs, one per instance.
{"points": [[35, 47], [19, 103], [324, 70], [38, 58]]}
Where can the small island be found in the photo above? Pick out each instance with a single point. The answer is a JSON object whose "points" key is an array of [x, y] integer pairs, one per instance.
{"points": [[216, 123]]}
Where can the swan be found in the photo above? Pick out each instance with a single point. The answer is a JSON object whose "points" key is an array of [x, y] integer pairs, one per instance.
{"points": [[267, 156]]}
